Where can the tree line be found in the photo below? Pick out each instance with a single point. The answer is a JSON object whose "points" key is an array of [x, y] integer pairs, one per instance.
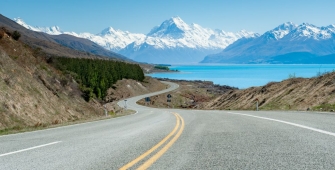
{"points": [[96, 76]]}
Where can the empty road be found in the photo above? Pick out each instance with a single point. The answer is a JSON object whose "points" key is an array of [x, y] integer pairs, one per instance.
{"points": [[179, 139]]}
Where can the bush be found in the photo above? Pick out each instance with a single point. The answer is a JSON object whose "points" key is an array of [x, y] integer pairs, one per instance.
{"points": [[87, 93], [97, 76], [162, 67], [16, 35]]}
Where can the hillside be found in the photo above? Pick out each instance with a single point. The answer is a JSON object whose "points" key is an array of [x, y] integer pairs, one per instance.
{"points": [[59, 45], [292, 94], [34, 94], [286, 44], [317, 94]]}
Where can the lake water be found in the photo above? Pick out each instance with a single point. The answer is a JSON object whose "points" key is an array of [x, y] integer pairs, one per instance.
{"points": [[244, 76]]}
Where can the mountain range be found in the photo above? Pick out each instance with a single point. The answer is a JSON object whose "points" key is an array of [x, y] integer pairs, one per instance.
{"points": [[176, 42], [172, 42], [59, 45], [286, 44]]}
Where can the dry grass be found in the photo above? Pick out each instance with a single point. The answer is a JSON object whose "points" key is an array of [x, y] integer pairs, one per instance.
{"points": [[32, 93], [290, 94], [190, 94]]}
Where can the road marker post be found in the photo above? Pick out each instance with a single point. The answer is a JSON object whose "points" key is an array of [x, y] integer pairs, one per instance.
{"points": [[125, 104], [147, 100], [105, 109], [169, 99], [256, 104]]}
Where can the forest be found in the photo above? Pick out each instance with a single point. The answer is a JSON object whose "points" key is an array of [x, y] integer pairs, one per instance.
{"points": [[96, 76]]}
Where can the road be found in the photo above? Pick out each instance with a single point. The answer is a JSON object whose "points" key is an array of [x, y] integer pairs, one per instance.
{"points": [[179, 139]]}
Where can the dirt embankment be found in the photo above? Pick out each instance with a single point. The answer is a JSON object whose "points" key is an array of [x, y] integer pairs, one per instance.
{"points": [[316, 94], [292, 94], [35, 95], [190, 94], [129, 88]]}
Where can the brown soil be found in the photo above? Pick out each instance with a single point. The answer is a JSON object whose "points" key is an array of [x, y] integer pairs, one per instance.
{"points": [[34, 95], [129, 88], [316, 94], [190, 94], [292, 94]]}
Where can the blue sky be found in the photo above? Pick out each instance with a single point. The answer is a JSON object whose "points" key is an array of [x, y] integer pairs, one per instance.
{"points": [[140, 16]]}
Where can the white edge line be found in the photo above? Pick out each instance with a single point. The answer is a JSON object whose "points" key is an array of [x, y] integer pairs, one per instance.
{"points": [[35, 147], [289, 123]]}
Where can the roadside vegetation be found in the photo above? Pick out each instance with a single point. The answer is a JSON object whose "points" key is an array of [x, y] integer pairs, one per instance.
{"points": [[96, 76], [15, 34], [162, 67], [39, 90]]}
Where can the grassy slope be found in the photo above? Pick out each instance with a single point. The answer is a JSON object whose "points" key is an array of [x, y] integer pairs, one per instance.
{"points": [[33, 94], [291, 94]]}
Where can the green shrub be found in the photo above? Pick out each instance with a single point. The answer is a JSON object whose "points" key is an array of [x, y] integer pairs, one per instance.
{"points": [[16, 35], [97, 75], [162, 67], [87, 93]]}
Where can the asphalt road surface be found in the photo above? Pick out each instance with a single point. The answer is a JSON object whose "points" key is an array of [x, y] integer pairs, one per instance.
{"points": [[179, 139]]}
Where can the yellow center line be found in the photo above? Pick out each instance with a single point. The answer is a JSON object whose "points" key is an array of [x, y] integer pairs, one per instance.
{"points": [[154, 158], [130, 164]]}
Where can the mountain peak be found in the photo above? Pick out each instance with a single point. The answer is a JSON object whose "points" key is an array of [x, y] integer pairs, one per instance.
{"points": [[174, 27], [22, 23], [280, 31], [178, 21], [308, 31], [109, 30], [19, 20], [55, 30]]}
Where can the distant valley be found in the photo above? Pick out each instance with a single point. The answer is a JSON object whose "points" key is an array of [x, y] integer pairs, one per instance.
{"points": [[176, 42]]}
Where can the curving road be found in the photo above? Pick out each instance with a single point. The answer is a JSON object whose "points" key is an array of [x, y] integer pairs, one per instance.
{"points": [[179, 139]]}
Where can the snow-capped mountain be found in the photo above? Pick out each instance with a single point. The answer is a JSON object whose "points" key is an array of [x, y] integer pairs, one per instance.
{"points": [[173, 41], [112, 39], [309, 31], [287, 43], [55, 30], [280, 31], [109, 38]]}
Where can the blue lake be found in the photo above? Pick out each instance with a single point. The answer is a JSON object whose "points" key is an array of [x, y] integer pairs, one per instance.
{"points": [[244, 76]]}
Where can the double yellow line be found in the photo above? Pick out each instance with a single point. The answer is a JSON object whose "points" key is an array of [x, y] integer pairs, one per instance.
{"points": [[179, 125]]}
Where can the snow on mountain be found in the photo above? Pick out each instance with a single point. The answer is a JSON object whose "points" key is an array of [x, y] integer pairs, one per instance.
{"points": [[55, 30], [310, 31], [287, 43], [112, 39], [109, 38], [172, 35], [175, 41], [176, 33], [172, 28], [280, 31]]}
